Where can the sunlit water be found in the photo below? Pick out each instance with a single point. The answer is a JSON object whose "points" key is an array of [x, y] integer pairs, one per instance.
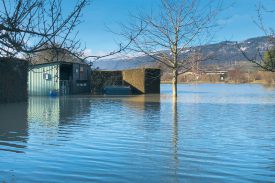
{"points": [[215, 133]]}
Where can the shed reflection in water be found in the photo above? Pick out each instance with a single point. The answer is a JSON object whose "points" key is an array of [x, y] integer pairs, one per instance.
{"points": [[47, 116], [144, 113], [53, 112]]}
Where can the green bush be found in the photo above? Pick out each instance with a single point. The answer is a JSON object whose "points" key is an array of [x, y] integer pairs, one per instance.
{"points": [[269, 59]]}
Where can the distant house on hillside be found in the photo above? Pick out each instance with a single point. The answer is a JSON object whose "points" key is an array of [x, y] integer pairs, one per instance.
{"points": [[58, 74]]}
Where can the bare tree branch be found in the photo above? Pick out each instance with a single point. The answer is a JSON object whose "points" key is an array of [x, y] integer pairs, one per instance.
{"points": [[164, 36], [269, 32], [31, 26]]}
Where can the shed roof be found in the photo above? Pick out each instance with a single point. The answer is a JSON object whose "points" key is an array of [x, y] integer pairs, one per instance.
{"points": [[53, 56]]}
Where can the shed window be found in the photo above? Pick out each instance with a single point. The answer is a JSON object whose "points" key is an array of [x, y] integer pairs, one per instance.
{"points": [[47, 76], [81, 83]]}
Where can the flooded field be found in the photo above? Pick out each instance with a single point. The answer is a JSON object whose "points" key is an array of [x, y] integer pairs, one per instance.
{"points": [[215, 133]]}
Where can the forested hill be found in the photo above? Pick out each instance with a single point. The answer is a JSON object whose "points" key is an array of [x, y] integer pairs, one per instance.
{"points": [[225, 53]]}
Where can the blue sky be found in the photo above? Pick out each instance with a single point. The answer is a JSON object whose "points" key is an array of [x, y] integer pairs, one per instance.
{"points": [[236, 22]]}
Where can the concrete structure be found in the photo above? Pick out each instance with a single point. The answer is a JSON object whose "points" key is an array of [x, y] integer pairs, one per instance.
{"points": [[141, 81], [13, 80], [64, 76]]}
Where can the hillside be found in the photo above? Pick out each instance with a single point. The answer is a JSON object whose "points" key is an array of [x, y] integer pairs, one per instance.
{"points": [[226, 55]]}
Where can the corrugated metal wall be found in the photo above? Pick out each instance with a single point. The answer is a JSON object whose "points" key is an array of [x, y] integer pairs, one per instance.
{"points": [[38, 85]]}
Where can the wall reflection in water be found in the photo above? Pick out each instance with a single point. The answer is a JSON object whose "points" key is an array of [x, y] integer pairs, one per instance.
{"points": [[71, 109], [13, 127], [147, 108]]}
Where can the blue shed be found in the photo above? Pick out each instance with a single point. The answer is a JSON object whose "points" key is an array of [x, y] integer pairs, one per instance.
{"points": [[58, 76]]}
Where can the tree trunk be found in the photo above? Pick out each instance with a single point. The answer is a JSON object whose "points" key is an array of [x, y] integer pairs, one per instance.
{"points": [[175, 82]]}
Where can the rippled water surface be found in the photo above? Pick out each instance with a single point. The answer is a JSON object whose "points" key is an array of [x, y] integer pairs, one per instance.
{"points": [[215, 133]]}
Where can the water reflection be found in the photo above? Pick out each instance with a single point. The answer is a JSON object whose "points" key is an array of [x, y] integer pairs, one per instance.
{"points": [[49, 116], [147, 107], [74, 107], [211, 134], [55, 112], [13, 127], [44, 111], [175, 138], [143, 102]]}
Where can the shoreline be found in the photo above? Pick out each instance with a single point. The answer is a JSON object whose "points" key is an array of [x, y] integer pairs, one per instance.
{"points": [[262, 82]]}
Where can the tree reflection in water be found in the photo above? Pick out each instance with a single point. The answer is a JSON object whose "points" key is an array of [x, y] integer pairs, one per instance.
{"points": [[175, 137]]}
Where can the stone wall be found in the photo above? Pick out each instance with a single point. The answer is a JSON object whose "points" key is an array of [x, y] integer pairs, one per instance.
{"points": [[13, 80]]}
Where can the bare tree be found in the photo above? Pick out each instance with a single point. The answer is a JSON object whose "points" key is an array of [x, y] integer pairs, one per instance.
{"points": [[264, 57], [169, 35], [31, 26]]}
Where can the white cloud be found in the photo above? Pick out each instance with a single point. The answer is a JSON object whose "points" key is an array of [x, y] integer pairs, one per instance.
{"points": [[87, 52], [100, 53]]}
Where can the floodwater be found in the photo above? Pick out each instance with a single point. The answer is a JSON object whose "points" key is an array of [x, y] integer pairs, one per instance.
{"points": [[215, 133]]}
